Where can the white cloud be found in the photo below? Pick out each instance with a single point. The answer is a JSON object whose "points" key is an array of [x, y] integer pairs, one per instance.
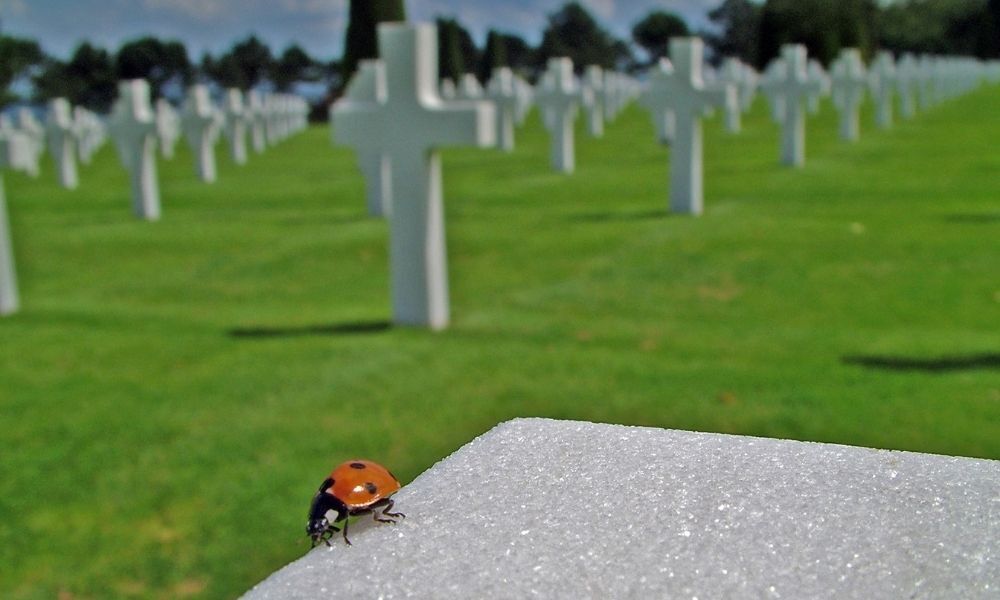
{"points": [[13, 7], [603, 8], [320, 7], [199, 9]]}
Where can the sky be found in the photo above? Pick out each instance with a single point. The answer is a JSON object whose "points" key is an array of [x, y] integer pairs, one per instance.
{"points": [[316, 25]]}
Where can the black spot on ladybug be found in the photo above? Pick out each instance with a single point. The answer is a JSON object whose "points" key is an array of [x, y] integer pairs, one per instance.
{"points": [[370, 487], [357, 465]]}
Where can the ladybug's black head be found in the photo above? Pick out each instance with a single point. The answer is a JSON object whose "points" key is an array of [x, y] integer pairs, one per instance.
{"points": [[316, 528]]}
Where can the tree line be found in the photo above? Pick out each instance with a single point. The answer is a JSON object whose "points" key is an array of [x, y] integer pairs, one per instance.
{"points": [[751, 31]]}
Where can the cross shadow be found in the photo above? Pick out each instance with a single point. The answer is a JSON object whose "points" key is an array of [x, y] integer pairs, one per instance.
{"points": [[355, 328], [974, 218], [940, 364], [604, 217]]}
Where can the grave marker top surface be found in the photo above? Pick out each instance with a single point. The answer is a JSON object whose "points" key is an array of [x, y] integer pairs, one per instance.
{"points": [[608, 511]]}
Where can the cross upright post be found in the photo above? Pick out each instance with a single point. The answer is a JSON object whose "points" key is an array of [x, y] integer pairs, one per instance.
{"points": [[849, 84], [413, 123], [883, 82], [560, 97], [61, 133], [236, 125], [792, 88], [686, 93], [133, 128], [15, 153], [201, 129], [502, 90], [367, 87], [594, 100], [168, 126]]}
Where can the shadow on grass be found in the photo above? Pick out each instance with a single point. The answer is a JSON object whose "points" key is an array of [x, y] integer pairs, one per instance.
{"points": [[973, 218], [357, 328], [608, 216], [940, 364]]}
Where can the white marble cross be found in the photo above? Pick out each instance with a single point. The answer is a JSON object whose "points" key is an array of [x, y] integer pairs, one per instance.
{"points": [[255, 108], [525, 99], [560, 97], [412, 124], [90, 131], [236, 120], [593, 85], [448, 89], [686, 94], [133, 127], [882, 76], [774, 74], [28, 125], [655, 99], [61, 133], [15, 153], [469, 88], [792, 88], [849, 86], [734, 73], [200, 122], [168, 127], [818, 73], [366, 91], [502, 91], [907, 80]]}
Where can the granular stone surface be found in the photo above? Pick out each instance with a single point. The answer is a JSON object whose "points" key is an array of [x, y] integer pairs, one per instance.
{"points": [[563, 509]]}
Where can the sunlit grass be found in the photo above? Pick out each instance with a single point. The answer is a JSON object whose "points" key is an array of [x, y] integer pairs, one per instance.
{"points": [[173, 392]]}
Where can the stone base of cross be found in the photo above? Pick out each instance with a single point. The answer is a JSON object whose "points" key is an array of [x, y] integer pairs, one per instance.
{"points": [[409, 127]]}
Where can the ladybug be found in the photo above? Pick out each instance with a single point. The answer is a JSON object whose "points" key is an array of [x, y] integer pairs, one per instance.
{"points": [[356, 487]]}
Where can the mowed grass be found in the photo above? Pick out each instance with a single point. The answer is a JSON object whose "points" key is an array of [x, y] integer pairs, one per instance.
{"points": [[173, 392]]}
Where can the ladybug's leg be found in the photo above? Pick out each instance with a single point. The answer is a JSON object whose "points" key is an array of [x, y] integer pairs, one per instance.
{"points": [[388, 506], [345, 534], [374, 511]]}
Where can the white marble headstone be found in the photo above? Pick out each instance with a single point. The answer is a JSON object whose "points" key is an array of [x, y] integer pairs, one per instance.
{"points": [[367, 90], [792, 88], [502, 90], [448, 89], [593, 85], [258, 118], [686, 94], [168, 127], [200, 122], [907, 79], [560, 97], [469, 88], [849, 85], [655, 100], [818, 73], [132, 125], [236, 119], [15, 153], [29, 126], [882, 76], [412, 124], [61, 133]]}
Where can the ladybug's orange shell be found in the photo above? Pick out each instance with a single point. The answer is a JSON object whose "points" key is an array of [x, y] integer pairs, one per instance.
{"points": [[361, 483]]}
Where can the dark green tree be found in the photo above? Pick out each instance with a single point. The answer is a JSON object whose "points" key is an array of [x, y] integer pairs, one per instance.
{"points": [[574, 33], [156, 61], [653, 33], [494, 55], [520, 54], [88, 79], [18, 57], [738, 24], [292, 66], [823, 27], [967, 27], [361, 39], [451, 59]]}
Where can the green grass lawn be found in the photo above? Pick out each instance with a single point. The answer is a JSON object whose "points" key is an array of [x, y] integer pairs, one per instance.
{"points": [[173, 392]]}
